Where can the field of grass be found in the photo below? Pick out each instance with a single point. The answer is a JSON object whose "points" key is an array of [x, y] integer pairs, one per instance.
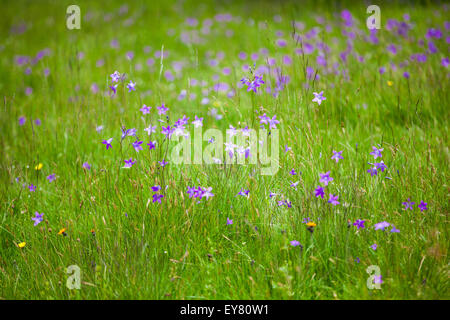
{"points": [[258, 236]]}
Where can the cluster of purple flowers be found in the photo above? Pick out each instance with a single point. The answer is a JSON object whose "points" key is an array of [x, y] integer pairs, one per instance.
{"points": [[272, 122], [116, 77], [199, 192], [282, 202], [383, 225], [410, 204], [243, 192], [285, 202], [378, 166], [325, 178], [157, 196]]}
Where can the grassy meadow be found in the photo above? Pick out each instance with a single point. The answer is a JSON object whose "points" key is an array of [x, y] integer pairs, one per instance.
{"points": [[140, 226]]}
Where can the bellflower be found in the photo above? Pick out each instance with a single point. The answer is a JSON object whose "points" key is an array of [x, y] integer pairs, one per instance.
{"points": [[319, 192], [107, 143], [325, 178], [423, 206], [129, 163], [37, 218], [337, 155], [131, 86], [333, 200], [318, 97], [137, 145], [408, 204], [376, 152]]}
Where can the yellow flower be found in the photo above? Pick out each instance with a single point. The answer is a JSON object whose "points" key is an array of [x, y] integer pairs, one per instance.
{"points": [[62, 231], [22, 244], [311, 224], [390, 83], [38, 167]]}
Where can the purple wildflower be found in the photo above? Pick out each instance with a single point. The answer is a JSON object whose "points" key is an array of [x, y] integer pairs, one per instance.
{"points": [[318, 97], [167, 131], [373, 171], [131, 86], [433, 33], [306, 220], [37, 218], [151, 145], [359, 223], [408, 204], [273, 122], [129, 163], [392, 48], [325, 178], [51, 177], [376, 152], [423, 206], [380, 166], [200, 192], [377, 279], [113, 88], [264, 119], [157, 197], [115, 77], [145, 109], [156, 188], [205, 193], [337, 155], [128, 132], [333, 200], [445, 62], [381, 225], [137, 145], [162, 110], [150, 129], [253, 84], [319, 192], [295, 243], [163, 163], [198, 122], [107, 143], [243, 192]]}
